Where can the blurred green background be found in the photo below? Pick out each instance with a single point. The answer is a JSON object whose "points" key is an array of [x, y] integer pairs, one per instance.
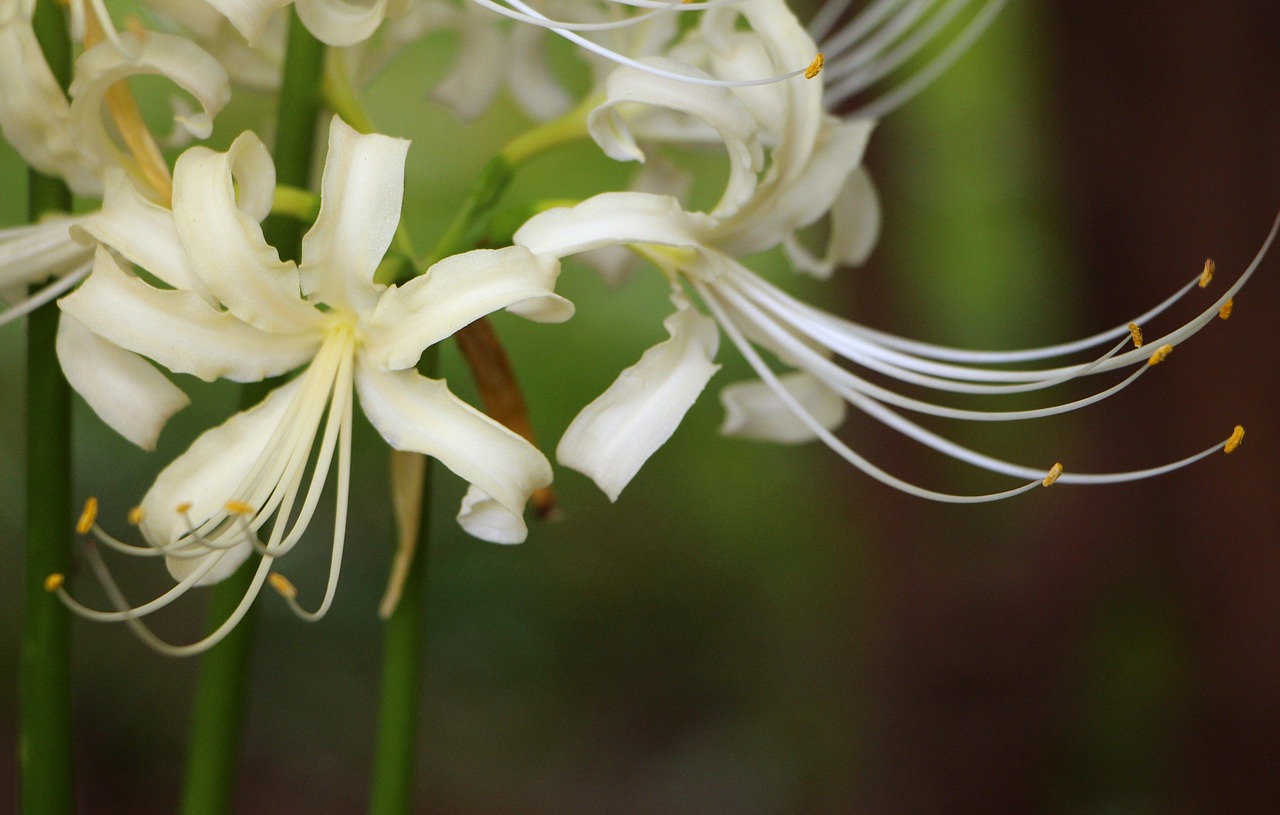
{"points": [[759, 629]]}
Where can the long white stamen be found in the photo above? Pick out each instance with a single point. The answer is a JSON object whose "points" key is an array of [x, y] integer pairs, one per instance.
{"points": [[50, 292], [844, 451]]}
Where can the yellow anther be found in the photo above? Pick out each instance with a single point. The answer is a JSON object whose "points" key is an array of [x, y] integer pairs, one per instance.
{"points": [[1206, 276], [281, 584], [88, 516], [1237, 437], [136, 515], [239, 508], [184, 508], [1135, 331], [1055, 472], [1160, 354], [1227, 308], [815, 67], [54, 581]]}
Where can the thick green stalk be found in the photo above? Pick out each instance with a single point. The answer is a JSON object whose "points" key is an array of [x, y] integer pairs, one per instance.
{"points": [[395, 750], [300, 103], [218, 714], [44, 742]]}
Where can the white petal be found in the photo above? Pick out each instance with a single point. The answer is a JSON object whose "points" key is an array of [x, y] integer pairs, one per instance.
{"points": [[249, 16], [179, 330], [339, 22], [126, 391], [754, 411], [613, 219], [617, 433], [35, 116], [785, 205], [145, 233], [659, 177], [486, 519], [174, 58], [359, 212], [224, 244], [855, 225], [421, 415], [454, 293], [206, 476], [718, 107]]}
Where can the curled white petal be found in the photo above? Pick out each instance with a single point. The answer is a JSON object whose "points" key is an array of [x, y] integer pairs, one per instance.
{"points": [[174, 58], [339, 22], [612, 219], [224, 243], [855, 226], [617, 433], [484, 518], [421, 415], [456, 292], [179, 330]]}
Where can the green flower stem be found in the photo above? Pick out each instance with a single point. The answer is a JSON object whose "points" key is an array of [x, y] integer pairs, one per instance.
{"points": [[395, 750], [296, 203], [221, 694], [300, 103], [44, 740], [341, 95]]}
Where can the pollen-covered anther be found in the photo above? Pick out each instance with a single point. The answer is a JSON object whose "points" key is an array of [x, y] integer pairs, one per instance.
{"points": [[815, 67], [282, 585], [1233, 443], [239, 508], [183, 508], [54, 581], [135, 516], [88, 516], [1055, 472], [1135, 331], [1206, 277], [1227, 307], [1160, 354]]}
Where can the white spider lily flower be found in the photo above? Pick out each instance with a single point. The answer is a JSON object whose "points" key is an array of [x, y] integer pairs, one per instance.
{"points": [[617, 432], [68, 138], [236, 311]]}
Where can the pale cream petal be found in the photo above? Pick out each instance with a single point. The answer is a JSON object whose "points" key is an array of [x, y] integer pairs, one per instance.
{"points": [[359, 212], [754, 411], [613, 219], [177, 59], [854, 227], [125, 390], [35, 116], [629, 89], [224, 243], [617, 433], [456, 292], [341, 22], [484, 518], [480, 67], [249, 17], [179, 330], [781, 208], [421, 415], [145, 233], [208, 475]]}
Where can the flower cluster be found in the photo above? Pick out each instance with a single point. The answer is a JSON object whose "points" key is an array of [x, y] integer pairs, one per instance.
{"points": [[171, 273]]}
